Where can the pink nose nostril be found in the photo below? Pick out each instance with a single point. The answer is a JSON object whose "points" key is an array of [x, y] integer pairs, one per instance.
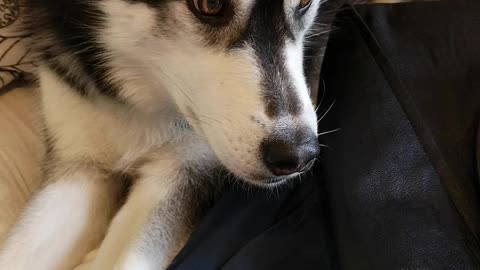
{"points": [[283, 158]]}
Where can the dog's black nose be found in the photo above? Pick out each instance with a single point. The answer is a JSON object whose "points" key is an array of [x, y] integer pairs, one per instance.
{"points": [[285, 158]]}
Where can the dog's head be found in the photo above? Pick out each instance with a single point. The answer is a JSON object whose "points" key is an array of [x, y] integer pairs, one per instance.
{"points": [[232, 68]]}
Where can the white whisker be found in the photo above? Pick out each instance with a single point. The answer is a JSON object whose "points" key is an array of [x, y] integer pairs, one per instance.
{"points": [[326, 112], [328, 132]]}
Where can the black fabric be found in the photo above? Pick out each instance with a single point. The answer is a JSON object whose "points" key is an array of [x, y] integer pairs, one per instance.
{"points": [[441, 88], [478, 152], [255, 229], [402, 181]]}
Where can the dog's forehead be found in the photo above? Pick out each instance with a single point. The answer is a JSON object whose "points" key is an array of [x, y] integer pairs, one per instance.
{"points": [[270, 21], [280, 14], [251, 5], [252, 2]]}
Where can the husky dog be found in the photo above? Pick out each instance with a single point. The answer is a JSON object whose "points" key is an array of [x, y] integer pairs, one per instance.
{"points": [[163, 93]]}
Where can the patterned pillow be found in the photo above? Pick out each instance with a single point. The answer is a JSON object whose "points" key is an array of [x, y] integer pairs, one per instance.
{"points": [[15, 59]]}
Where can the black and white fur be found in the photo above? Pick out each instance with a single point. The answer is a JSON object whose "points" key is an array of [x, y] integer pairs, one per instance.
{"points": [[147, 90]]}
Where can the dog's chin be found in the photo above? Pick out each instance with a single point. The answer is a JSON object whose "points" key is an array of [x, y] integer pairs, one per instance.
{"points": [[267, 183]]}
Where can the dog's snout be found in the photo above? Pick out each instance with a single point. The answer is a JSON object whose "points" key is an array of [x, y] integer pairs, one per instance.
{"points": [[285, 158]]}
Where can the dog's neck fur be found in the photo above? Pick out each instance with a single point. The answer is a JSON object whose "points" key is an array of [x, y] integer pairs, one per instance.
{"points": [[105, 131]]}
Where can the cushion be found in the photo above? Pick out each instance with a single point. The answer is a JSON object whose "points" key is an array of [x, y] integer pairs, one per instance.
{"points": [[21, 152], [15, 59]]}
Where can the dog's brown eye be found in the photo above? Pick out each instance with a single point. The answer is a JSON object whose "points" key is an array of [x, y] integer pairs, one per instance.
{"points": [[209, 7], [304, 5]]}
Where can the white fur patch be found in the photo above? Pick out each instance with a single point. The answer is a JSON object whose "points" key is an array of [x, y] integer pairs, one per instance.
{"points": [[57, 229], [217, 92], [294, 64]]}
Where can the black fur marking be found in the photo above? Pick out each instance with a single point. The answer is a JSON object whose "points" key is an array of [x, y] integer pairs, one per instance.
{"points": [[66, 76], [68, 27], [267, 32]]}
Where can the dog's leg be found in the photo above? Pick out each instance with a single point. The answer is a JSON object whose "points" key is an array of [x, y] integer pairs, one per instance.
{"points": [[62, 223], [153, 224]]}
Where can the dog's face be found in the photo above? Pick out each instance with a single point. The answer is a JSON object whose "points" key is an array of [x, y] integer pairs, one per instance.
{"points": [[234, 70]]}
